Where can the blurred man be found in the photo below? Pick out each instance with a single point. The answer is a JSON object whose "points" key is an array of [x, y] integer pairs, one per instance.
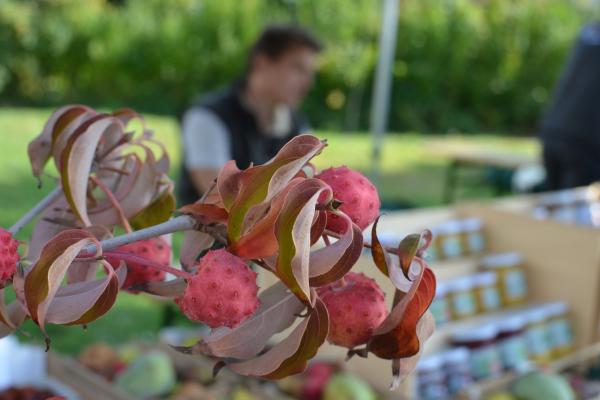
{"points": [[570, 130], [254, 117]]}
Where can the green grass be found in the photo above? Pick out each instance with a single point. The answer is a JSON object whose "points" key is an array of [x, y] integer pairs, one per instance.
{"points": [[410, 175]]}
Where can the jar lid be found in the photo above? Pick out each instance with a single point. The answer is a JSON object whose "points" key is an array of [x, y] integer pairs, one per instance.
{"points": [[457, 355], [535, 314], [432, 362], [460, 284], [485, 278], [441, 289], [555, 308], [502, 260], [511, 323], [475, 333], [472, 224], [450, 227]]}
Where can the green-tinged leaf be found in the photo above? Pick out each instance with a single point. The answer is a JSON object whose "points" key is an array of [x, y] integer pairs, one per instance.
{"points": [[397, 337], [380, 256], [292, 354], [260, 240], [76, 163], [278, 310], [293, 231], [332, 262], [45, 278], [157, 212], [258, 185], [11, 316], [407, 250]]}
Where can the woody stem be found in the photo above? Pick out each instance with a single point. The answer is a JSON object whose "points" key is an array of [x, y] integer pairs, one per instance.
{"points": [[38, 208]]}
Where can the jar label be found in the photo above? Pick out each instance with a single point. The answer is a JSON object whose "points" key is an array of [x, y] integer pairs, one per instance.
{"points": [[515, 285], [440, 310], [513, 352], [537, 340], [464, 304], [490, 298], [476, 242], [560, 334], [452, 246], [485, 362]]}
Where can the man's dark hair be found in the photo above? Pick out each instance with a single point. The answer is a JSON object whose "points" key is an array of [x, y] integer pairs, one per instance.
{"points": [[276, 40]]}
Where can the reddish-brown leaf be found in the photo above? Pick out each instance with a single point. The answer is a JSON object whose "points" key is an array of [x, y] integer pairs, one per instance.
{"points": [[332, 262], [292, 354], [397, 337], [205, 214], [380, 256]]}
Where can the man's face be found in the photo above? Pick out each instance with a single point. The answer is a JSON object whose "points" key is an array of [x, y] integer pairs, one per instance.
{"points": [[290, 76]]}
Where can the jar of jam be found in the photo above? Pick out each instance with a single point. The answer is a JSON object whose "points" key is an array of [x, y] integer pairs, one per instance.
{"points": [[481, 342], [458, 369], [559, 329], [511, 342], [472, 233], [511, 277], [440, 306], [463, 303], [450, 239], [431, 378], [486, 291], [536, 335]]}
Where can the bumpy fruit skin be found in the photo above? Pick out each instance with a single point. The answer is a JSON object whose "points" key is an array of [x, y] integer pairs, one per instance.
{"points": [[223, 292], [155, 249], [9, 256], [356, 308], [360, 200]]}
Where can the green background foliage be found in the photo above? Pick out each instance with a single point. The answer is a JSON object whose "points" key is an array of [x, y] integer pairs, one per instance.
{"points": [[462, 65]]}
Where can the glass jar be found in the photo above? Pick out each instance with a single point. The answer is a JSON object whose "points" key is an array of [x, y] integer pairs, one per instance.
{"points": [[559, 329], [511, 277], [431, 378], [450, 239], [486, 291], [458, 369], [472, 234], [463, 303], [536, 335], [481, 342], [440, 306], [511, 342]]}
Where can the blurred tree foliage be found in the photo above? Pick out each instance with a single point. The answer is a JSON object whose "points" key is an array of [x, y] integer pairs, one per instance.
{"points": [[460, 64]]}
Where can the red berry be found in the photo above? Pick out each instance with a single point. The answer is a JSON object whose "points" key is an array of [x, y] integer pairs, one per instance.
{"points": [[360, 200], [155, 249], [356, 308], [223, 292], [9, 256]]}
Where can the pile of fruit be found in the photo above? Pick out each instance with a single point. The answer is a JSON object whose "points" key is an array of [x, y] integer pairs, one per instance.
{"points": [[27, 393], [151, 373]]}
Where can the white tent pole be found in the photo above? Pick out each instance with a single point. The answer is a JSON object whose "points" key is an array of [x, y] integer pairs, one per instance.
{"points": [[383, 82]]}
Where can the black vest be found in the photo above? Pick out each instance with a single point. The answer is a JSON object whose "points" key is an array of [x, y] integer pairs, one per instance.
{"points": [[248, 144]]}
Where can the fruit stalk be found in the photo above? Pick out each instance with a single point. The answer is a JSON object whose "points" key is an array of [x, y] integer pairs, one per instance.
{"points": [[38, 208]]}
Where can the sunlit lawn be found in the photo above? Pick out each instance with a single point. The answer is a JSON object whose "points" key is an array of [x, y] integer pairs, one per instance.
{"points": [[409, 176]]}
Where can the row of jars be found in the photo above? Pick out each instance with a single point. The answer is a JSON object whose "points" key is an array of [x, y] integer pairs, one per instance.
{"points": [[537, 334], [456, 238], [501, 284]]}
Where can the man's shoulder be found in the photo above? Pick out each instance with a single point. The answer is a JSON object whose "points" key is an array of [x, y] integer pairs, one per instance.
{"points": [[214, 99]]}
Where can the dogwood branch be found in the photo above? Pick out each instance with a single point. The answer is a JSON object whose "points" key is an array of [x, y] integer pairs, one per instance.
{"points": [[181, 223], [38, 208]]}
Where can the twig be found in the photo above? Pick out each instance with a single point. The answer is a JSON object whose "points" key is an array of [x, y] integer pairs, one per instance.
{"points": [[38, 208], [115, 203], [181, 223]]}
